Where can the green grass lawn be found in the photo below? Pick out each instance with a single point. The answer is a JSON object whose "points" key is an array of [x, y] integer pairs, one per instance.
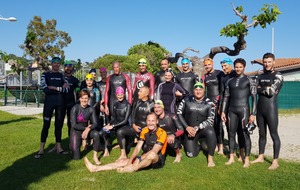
{"points": [[20, 136]]}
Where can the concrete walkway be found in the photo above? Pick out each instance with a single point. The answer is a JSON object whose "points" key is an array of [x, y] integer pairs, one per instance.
{"points": [[17, 110]]}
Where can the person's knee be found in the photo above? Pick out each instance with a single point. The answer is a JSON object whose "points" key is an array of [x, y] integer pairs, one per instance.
{"points": [[152, 156]]}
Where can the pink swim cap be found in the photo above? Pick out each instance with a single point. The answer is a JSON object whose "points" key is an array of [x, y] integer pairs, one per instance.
{"points": [[119, 90], [102, 69]]}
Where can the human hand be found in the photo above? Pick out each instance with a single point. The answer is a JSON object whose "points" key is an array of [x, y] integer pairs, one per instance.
{"points": [[191, 131]]}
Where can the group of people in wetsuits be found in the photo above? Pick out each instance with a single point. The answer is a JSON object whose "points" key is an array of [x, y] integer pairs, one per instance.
{"points": [[165, 111]]}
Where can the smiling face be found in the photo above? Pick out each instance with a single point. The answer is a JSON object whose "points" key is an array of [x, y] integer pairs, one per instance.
{"points": [[239, 68], [116, 68], [152, 122], [164, 64], [208, 67], [269, 64], [55, 66], [84, 100], [199, 93], [120, 97], [226, 68], [168, 76], [142, 68], [158, 109]]}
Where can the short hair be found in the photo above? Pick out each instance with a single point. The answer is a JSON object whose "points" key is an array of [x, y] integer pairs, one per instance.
{"points": [[116, 62], [269, 55], [83, 92], [147, 89], [240, 60], [152, 113], [165, 58]]}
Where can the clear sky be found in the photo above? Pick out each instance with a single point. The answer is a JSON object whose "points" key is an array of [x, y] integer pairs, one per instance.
{"points": [[101, 27]]}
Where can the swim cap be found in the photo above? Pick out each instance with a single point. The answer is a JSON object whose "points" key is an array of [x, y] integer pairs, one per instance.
{"points": [[199, 85], [102, 69], [89, 76], [119, 90], [92, 70], [185, 60], [68, 63], [142, 62], [55, 60], [227, 61], [159, 102], [208, 60]]}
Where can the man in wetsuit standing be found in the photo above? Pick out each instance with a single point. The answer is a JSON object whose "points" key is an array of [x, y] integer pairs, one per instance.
{"points": [[160, 75], [212, 79], [70, 97], [186, 78], [237, 91], [171, 124], [143, 78], [112, 83], [54, 86], [269, 85], [196, 113]]}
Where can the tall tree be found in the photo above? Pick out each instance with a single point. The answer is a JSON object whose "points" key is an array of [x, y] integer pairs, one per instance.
{"points": [[268, 14], [44, 41]]}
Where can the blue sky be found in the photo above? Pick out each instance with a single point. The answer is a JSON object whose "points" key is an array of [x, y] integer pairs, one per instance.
{"points": [[100, 27]]}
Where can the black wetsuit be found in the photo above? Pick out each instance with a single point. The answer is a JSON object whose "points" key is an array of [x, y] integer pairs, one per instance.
{"points": [[122, 111], [212, 82], [80, 119], [159, 77], [237, 91], [187, 81], [138, 117], [166, 93], [70, 98], [269, 85], [54, 100], [200, 114], [171, 124], [112, 83], [102, 117]]}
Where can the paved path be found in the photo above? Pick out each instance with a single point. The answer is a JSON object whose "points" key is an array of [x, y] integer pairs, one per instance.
{"points": [[17, 110]]}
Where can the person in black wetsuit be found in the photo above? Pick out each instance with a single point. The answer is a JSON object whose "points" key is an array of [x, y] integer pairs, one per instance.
{"points": [[84, 123], [143, 78], [186, 79], [122, 111], [170, 123], [196, 113], [237, 91], [160, 75], [228, 69], [269, 85], [212, 81], [170, 92], [102, 86], [54, 86], [95, 96], [138, 118], [112, 83], [70, 97]]}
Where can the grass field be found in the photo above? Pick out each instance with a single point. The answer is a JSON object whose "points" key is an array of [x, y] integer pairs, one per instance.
{"points": [[19, 139]]}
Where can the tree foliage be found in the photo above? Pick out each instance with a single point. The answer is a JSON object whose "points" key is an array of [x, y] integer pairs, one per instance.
{"points": [[151, 51], [44, 41]]}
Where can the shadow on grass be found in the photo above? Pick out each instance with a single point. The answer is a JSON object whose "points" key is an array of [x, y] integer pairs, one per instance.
{"points": [[16, 120], [29, 170]]}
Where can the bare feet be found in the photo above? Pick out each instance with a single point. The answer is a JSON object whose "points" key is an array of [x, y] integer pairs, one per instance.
{"points": [[247, 163], [116, 146], [259, 159], [230, 161], [178, 158], [89, 165], [106, 153], [121, 158], [274, 165], [96, 160], [211, 164]]}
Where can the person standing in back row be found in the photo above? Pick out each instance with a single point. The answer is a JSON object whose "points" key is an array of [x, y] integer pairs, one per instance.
{"points": [[269, 85], [54, 86]]}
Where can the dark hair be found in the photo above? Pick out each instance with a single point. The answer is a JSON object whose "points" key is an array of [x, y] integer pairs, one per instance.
{"points": [[166, 59], [83, 92], [269, 55], [240, 60]]}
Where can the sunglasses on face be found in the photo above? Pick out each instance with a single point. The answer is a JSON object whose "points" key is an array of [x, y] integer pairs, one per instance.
{"points": [[68, 65]]}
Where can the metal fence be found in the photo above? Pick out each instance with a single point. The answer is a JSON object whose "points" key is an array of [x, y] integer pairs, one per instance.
{"points": [[289, 97]]}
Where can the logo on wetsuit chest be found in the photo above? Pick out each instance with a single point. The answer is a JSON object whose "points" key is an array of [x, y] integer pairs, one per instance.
{"points": [[117, 82], [142, 109]]}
